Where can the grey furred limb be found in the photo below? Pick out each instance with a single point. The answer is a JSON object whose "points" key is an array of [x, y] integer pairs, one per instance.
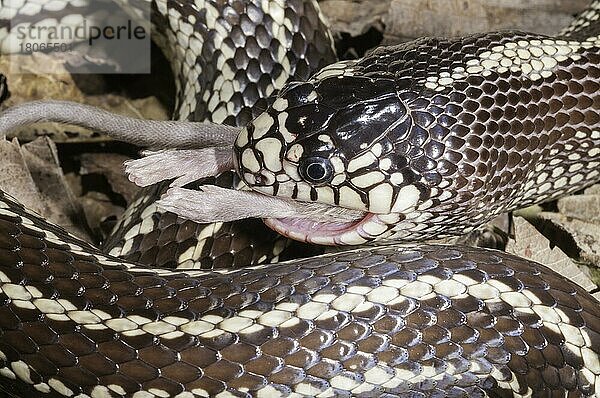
{"points": [[216, 204], [185, 165], [146, 133]]}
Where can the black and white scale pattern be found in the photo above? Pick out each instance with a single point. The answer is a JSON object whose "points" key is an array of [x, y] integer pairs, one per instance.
{"points": [[436, 136], [418, 321], [228, 57], [404, 321]]}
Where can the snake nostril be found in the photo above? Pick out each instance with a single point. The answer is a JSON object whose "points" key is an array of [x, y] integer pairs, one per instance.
{"points": [[260, 179], [264, 178]]}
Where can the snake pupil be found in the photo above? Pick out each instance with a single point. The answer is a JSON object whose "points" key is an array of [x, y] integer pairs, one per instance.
{"points": [[316, 170]]}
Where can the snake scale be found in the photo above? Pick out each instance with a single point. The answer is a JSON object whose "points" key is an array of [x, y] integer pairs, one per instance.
{"points": [[427, 138]]}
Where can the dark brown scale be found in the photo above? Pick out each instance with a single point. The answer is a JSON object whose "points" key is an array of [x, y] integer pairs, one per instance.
{"points": [[211, 386], [77, 344], [339, 351], [118, 351], [355, 331], [125, 382], [259, 338], [420, 352], [199, 357], [573, 359], [20, 341], [97, 364], [240, 353], [220, 342], [264, 365], [302, 359], [40, 333], [139, 370], [325, 369], [289, 374], [78, 377], [406, 338], [392, 357], [241, 300], [371, 314], [45, 365], [334, 323], [317, 340], [29, 241], [250, 381], [225, 370], [158, 356]]}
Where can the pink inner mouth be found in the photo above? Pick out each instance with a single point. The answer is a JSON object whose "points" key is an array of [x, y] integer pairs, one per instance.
{"points": [[319, 232]]}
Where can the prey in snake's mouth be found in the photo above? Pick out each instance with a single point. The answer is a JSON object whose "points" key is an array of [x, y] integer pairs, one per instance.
{"points": [[326, 144], [316, 223], [332, 232], [399, 150]]}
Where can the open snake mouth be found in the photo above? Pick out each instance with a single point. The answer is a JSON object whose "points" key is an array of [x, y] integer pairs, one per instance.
{"points": [[311, 222], [334, 232]]}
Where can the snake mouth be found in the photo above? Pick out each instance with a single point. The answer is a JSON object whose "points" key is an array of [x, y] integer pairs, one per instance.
{"points": [[330, 233]]}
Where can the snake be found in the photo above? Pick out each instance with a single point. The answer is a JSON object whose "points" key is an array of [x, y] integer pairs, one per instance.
{"points": [[420, 140]]}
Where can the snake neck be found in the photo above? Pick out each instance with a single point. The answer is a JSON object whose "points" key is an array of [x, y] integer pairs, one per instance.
{"points": [[526, 129]]}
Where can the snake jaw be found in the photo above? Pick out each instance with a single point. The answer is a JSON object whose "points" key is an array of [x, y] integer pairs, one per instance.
{"points": [[331, 233]]}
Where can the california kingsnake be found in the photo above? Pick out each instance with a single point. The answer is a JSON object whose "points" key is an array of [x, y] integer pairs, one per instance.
{"points": [[395, 321]]}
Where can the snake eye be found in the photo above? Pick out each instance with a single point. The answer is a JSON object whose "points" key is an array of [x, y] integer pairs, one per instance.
{"points": [[316, 170]]}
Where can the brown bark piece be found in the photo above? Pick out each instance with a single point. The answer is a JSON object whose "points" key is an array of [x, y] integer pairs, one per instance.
{"points": [[32, 175], [110, 165], [531, 244]]}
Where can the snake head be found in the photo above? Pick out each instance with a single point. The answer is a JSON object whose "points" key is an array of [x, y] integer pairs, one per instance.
{"points": [[327, 142]]}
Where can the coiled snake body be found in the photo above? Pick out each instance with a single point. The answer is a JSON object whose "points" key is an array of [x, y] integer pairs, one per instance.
{"points": [[420, 320]]}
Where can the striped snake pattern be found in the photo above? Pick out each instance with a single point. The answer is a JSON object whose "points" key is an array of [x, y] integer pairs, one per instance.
{"points": [[490, 121]]}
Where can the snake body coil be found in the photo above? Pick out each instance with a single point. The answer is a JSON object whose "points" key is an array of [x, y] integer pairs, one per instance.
{"points": [[490, 122], [409, 321]]}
